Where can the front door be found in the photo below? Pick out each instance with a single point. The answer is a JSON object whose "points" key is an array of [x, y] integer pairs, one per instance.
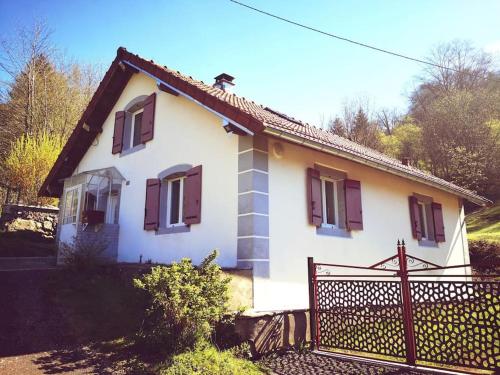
{"points": [[70, 214]]}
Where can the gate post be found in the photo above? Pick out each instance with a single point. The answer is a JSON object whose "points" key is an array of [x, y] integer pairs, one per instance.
{"points": [[407, 307], [311, 280]]}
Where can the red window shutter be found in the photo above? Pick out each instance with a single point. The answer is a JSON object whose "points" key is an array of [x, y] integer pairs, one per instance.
{"points": [[148, 119], [416, 226], [353, 210], [437, 215], [152, 207], [118, 132], [314, 197], [191, 210]]}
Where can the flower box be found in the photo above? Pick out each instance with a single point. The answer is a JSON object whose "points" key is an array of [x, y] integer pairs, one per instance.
{"points": [[93, 217]]}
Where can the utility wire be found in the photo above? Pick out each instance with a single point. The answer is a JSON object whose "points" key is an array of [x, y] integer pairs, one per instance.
{"points": [[344, 39]]}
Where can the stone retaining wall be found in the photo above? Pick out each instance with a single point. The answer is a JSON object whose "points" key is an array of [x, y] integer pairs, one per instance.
{"points": [[38, 221]]}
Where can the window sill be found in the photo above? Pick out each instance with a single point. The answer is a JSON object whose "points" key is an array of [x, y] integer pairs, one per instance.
{"points": [[132, 150], [428, 243], [177, 229], [334, 232]]}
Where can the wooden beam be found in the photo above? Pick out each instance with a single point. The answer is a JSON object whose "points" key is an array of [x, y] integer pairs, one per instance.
{"points": [[167, 89]]}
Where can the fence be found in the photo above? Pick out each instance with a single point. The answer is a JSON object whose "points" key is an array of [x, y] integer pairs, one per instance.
{"points": [[401, 310]]}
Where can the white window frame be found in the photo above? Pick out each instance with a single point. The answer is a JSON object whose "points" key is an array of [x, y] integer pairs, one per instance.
{"points": [[71, 219], [324, 223], [132, 127], [181, 201]]}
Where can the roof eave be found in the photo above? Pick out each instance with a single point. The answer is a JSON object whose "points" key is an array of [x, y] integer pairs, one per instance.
{"points": [[477, 199]]}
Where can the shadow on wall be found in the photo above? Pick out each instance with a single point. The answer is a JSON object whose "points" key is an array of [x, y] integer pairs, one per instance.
{"points": [[274, 331]]}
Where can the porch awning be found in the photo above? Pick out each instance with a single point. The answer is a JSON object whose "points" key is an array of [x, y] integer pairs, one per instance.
{"points": [[110, 172]]}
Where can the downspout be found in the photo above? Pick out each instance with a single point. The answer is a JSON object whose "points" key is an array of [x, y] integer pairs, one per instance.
{"points": [[462, 224]]}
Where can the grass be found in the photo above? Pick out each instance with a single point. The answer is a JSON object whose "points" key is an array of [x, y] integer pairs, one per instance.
{"points": [[484, 224], [25, 245], [103, 311]]}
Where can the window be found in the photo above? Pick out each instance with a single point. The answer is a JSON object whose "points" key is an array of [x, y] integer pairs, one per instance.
{"points": [[427, 223], [136, 128], [329, 197], [175, 191], [423, 220], [71, 205]]}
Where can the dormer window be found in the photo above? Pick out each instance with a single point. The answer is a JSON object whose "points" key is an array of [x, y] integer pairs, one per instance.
{"points": [[136, 126]]}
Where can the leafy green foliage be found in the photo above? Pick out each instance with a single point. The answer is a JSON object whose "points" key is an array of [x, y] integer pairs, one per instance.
{"points": [[405, 140], [209, 361], [186, 302], [484, 254], [29, 161]]}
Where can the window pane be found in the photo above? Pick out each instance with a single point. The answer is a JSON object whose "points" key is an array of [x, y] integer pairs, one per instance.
{"points": [[74, 205], [67, 205], [175, 201], [137, 129], [421, 213], [330, 202]]}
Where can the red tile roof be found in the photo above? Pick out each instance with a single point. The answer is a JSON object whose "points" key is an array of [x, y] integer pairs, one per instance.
{"points": [[255, 118]]}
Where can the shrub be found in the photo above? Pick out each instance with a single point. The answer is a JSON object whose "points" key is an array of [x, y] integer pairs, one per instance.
{"points": [[185, 304], [83, 255], [209, 361], [28, 163], [484, 254]]}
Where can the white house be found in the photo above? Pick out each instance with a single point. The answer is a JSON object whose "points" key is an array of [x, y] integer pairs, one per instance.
{"points": [[163, 167]]}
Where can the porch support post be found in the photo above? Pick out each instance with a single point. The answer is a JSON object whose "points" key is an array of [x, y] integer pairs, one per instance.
{"points": [[311, 280], [407, 307]]}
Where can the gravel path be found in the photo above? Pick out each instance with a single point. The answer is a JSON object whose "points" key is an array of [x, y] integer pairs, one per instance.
{"points": [[317, 364]]}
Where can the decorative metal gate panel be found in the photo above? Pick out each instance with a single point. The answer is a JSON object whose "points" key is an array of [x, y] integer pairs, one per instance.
{"points": [[457, 322], [399, 310], [361, 315]]}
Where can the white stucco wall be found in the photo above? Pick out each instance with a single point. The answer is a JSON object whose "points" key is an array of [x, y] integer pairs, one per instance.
{"points": [[185, 133], [385, 217]]}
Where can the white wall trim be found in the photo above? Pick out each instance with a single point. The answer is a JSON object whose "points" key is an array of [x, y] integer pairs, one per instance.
{"points": [[253, 236], [253, 213], [253, 191], [252, 149], [253, 170]]}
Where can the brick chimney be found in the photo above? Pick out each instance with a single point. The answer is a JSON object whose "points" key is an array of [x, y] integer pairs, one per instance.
{"points": [[224, 82]]}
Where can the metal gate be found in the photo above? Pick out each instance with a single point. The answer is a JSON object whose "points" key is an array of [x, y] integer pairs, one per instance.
{"points": [[405, 309]]}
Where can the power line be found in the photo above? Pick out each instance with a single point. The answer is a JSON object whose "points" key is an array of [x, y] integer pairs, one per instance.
{"points": [[344, 39]]}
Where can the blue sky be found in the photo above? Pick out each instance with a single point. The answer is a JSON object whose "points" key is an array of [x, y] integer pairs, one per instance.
{"points": [[290, 69]]}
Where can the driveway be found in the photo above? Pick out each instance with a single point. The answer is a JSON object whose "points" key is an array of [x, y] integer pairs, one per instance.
{"points": [[317, 364]]}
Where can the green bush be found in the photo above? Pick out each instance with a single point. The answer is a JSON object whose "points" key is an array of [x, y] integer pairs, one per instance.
{"points": [[186, 302], [209, 361], [484, 254]]}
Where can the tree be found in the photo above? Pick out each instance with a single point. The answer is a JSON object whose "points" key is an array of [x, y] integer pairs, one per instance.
{"points": [[28, 163], [453, 107], [337, 127], [46, 93], [405, 141], [364, 131], [388, 119], [356, 125]]}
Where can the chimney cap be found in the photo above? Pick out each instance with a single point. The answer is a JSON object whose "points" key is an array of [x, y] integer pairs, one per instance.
{"points": [[225, 77]]}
